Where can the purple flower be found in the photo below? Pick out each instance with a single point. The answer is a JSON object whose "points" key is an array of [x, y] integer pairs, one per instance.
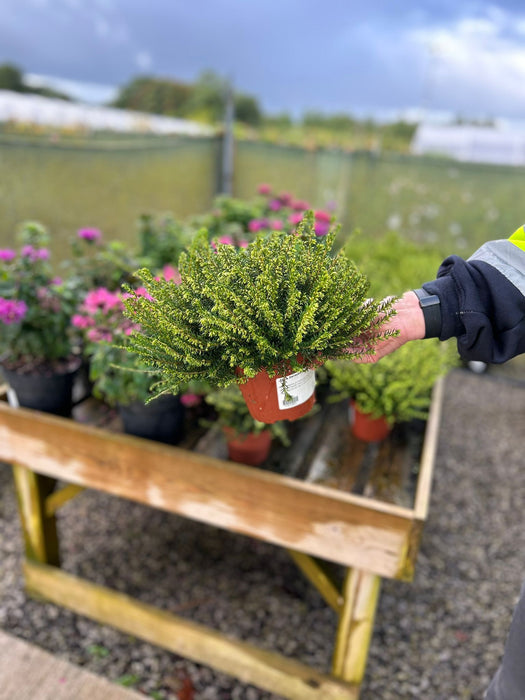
{"points": [[12, 311], [274, 205], [34, 254], [321, 228], [90, 234], [294, 219], [7, 254]]}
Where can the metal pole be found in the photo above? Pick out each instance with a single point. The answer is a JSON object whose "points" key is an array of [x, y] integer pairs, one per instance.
{"points": [[226, 185]]}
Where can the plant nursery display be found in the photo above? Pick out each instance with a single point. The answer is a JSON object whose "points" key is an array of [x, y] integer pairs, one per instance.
{"points": [[269, 312], [249, 441], [38, 354]]}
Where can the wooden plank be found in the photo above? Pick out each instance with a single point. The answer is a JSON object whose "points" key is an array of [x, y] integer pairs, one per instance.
{"points": [[266, 669], [310, 518], [30, 673], [361, 592], [319, 578], [426, 469], [57, 499]]}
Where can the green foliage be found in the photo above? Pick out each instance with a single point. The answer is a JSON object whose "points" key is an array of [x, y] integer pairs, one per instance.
{"points": [[399, 386], [284, 302], [161, 240], [154, 95], [39, 334], [392, 262], [232, 412]]}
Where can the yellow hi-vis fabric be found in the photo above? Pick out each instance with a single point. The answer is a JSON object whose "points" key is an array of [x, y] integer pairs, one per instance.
{"points": [[518, 238]]}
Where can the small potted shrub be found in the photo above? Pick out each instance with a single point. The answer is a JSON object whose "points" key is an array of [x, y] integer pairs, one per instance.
{"points": [[38, 353], [119, 377], [262, 316], [249, 441], [396, 389]]}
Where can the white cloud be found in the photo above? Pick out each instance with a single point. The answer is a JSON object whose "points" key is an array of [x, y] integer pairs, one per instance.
{"points": [[477, 60]]}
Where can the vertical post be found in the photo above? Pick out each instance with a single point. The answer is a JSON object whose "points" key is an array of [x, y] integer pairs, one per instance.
{"points": [[226, 184], [40, 531], [356, 622]]}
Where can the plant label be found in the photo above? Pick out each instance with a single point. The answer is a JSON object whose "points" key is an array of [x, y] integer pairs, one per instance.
{"points": [[295, 389]]}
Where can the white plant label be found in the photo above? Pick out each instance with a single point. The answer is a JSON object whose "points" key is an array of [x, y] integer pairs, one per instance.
{"points": [[297, 389]]}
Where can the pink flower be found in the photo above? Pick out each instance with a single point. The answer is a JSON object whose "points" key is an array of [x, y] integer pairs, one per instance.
{"points": [[12, 311], [296, 218], [322, 215], [276, 225], [101, 299], [285, 198], [225, 240], [300, 205], [7, 254], [190, 400], [243, 243], [264, 188], [255, 225], [275, 205], [34, 254], [90, 234], [56, 281], [171, 274], [82, 322], [96, 335], [143, 292], [321, 228]]}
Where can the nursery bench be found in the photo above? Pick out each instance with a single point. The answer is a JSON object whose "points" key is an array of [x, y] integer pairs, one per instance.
{"points": [[338, 501]]}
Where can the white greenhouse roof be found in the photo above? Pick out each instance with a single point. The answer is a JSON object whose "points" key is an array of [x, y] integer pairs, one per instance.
{"points": [[46, 111], [471, 143]]}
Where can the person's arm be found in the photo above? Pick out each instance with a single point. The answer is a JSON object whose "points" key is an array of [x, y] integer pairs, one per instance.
{"points": [[481, 303]]}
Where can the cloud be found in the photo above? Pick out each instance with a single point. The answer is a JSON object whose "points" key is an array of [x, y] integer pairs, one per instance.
{"points": [[476, 64]]}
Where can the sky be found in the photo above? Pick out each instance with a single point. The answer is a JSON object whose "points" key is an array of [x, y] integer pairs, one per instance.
{"points": [[373, 58]]}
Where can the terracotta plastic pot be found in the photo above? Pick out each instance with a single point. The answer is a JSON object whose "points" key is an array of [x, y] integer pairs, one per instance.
{"points": [[252, 448], [367, 428], [268, 401]]}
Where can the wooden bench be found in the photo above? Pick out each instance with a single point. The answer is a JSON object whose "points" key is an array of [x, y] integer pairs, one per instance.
{"points": [[327, 499]]}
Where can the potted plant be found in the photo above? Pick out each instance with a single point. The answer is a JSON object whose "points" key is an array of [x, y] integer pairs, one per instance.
{"points": [[119, 377], [262, 316], [396, 389], [38, 354], [249, 441]]}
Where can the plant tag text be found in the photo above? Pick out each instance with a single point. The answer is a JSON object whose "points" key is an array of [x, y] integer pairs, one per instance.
{"points": [[295, 389]]}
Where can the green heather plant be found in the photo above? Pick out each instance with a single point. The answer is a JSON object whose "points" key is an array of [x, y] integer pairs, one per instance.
{"points": [[399, 386], [284, 303], [233, 413]]}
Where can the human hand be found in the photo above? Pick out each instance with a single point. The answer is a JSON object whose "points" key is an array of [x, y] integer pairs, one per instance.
{"points": [[408, 320]]}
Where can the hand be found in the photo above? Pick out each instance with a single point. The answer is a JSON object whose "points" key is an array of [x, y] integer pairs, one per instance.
{"points": [[408, 320]]}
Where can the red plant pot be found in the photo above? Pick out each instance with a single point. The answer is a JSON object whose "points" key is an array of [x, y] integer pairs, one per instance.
{"points": [[268, 402], [367, 428], [252, 448]]}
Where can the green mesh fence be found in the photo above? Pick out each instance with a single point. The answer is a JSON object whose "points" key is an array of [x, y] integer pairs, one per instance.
{"points": [[107, 182]]}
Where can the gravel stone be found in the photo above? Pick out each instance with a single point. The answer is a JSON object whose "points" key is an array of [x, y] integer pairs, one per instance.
{"points": [[438, 638]]}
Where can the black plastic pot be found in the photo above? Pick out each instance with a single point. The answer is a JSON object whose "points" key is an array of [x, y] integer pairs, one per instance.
{"points": [[161, 420], [48, 393]]}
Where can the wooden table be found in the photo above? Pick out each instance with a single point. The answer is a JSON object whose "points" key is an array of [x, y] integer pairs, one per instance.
{"points": [[338, 500]]}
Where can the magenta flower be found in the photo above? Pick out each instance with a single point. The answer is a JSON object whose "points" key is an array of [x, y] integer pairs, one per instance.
{"points": [[243, 243], [101, 299], [34, 254], [7, 254], [12, 311], [275, 205], [322, 215], [276, 225], [190, 400], [321, 228], [254, 225], [96, 335], [264, 188], [300, 205], [82, 322], [171, 274], [225, 240], [296, 218], [285, 198], [143, 292], [89, 234]]}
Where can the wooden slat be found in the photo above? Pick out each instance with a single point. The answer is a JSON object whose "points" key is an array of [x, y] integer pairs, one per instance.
{"points": [[30, 673], [319, 578], [269, 670], [426, 469], [316, 520]]}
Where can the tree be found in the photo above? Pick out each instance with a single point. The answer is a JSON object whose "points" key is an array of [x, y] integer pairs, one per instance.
{"points": [[154, 95], [11, 78]]}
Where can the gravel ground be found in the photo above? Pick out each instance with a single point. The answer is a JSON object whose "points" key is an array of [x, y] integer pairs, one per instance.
{"points": [[437, 638]]}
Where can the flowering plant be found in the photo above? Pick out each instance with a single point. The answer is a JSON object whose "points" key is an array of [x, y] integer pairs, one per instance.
{"points": [[35, 307], [96, 263], [118, 376]]}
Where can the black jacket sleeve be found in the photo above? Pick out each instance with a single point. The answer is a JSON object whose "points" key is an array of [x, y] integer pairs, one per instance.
{"points": [[481, 306]]}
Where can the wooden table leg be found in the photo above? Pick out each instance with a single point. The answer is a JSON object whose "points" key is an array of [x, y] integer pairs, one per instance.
{"points": [[360, 593], [39, 528]]}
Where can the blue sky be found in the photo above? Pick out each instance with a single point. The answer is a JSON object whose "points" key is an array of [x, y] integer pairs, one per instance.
{"points": [[376, 58]]}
